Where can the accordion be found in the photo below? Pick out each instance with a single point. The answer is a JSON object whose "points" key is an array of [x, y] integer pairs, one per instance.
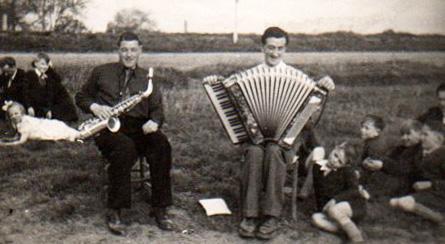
{"points": [[265, 104]]}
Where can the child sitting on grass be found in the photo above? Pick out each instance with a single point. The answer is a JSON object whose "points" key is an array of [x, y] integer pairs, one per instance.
{"points": [[394, 172], [374, 148], [374, 154], [338, 194], [31, 128], [429, 199]]}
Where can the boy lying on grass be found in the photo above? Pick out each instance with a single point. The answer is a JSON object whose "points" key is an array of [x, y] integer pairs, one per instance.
{"points": [[31, 128]]}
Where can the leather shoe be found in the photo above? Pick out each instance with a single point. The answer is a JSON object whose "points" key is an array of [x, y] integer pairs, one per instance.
{"points": [[269, 228], [247, 228], [115, 224], [162, 220]]}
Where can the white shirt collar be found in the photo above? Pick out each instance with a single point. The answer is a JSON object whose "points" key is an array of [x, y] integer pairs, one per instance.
{"points": [[12, 78], [38, 72], [324, 167], [280, 65]]}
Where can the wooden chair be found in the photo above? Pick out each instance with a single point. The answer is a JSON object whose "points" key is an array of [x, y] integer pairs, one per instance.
{"points": [[140, 177]]}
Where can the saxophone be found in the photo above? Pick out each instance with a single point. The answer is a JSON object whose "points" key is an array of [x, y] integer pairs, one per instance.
{"points": [[94, 125]]}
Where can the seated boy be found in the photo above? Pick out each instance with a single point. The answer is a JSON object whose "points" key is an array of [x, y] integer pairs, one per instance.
{"points": [[393, 173], [339, 196], [31, 128], [374, 148], [429, 199]]}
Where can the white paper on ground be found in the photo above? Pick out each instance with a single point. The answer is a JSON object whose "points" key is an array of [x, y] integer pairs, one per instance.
{"points": [[215, 206]]}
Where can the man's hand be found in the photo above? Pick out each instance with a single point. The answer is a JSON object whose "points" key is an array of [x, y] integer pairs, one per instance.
{"points": [[31, 112], [150, 127], [213, 79], [101, 111], [327, 83], [422, 185], [372, 164], [49, 114]]}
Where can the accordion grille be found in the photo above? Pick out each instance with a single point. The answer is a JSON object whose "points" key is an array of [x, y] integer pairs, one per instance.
{"points": [[274, 95]]}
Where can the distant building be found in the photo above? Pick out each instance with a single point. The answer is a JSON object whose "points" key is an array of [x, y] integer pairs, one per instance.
{"points": [[8, 20]]}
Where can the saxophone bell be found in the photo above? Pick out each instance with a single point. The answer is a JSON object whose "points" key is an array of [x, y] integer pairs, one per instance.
{"points": [[113, 124]]}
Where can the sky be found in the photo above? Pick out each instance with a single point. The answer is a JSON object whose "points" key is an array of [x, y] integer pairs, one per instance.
{"points": [[296, 16]]}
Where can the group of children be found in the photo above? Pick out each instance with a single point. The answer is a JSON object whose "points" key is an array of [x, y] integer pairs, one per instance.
{"points": [[409, 177], [35, 103]]}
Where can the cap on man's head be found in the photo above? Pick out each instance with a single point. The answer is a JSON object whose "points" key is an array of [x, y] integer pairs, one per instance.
{"points": [[128, 36], [276, 32], [10, 61]]}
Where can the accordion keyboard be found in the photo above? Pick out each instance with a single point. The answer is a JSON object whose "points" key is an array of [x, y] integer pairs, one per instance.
{"points": [[227, 112]]}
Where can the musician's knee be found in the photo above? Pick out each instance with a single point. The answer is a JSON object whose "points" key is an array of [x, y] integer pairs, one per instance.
{"points": [[273, 148], [254, 150], [340, 212]]}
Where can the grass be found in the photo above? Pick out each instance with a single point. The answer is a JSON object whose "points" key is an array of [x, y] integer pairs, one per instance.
{"points": [[53, 189]]}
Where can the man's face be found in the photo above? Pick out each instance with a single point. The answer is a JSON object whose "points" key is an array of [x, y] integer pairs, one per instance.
{"points": [[273, 50], [411, 138], [129, 52], [441, 98], [41, 65], [8, 71], [368, 130]]}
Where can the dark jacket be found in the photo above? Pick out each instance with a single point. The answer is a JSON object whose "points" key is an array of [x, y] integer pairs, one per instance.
{"points": [[105, 86], [48, 94], [341, 185], [433, 118], [398, 174], [432, 168], [16, 91]]}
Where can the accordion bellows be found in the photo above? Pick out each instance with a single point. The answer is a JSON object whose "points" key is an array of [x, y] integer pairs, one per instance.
{"points": [[262, 103]]}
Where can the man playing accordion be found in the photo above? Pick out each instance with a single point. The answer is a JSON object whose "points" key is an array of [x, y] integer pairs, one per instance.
{"points": [[264, 166]]}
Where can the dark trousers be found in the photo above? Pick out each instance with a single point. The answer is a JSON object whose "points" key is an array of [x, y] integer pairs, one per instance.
{"points": [[121, 149]]}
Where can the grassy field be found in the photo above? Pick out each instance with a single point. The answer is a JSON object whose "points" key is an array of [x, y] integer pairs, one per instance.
{"points": [[51, 192]]}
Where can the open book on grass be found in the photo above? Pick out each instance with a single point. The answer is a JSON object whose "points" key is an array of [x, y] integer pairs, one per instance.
{"points": [[215, 206]]}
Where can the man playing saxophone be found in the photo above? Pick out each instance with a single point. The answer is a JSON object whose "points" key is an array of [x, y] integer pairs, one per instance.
{"points": [[139, 134]]}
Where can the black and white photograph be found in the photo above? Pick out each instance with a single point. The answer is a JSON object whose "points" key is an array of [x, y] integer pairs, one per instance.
{"points": [[222, 121]]}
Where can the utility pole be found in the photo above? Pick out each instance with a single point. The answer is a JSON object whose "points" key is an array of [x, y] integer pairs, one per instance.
{"points": [[235, 32], [185, 26]]}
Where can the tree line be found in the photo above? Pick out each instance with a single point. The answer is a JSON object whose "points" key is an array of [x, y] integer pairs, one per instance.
{"points": [[195, 42]]}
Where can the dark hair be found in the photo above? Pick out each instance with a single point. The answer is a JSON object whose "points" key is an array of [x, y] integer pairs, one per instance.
{"points": [[10, 61], [352, 152], [274, 32], [375, 119], [39, 56], [409, 125], [440, 88], [128, 36]]}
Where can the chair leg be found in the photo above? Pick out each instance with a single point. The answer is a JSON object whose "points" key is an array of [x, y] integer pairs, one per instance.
{"points": [[294, 190]]}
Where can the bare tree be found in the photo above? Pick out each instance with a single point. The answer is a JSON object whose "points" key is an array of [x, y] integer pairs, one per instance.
{"points": [[49, 15], [132, 19]]}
